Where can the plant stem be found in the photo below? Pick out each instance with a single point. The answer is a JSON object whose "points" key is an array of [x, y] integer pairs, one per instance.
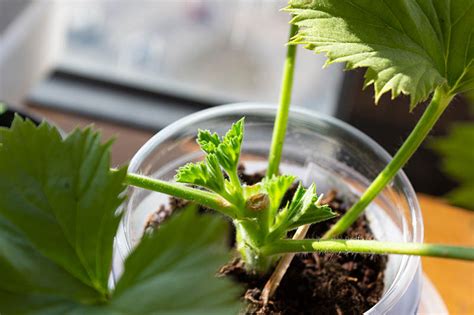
{"points": [[247, 239], [438, 104], [274, 281], [368, 247], [201, 197], [281, 120]]}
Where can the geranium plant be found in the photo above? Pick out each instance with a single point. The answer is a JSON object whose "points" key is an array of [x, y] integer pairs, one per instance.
{"points": [[58, 197]]}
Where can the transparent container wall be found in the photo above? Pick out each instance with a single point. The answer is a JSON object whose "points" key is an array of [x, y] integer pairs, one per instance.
{"points": [[317, 149]]}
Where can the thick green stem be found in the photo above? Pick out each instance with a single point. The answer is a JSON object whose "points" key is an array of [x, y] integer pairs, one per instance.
{"points": [[201, 197], [431, 115], [368, 247], [248, 238], [281, 120]]}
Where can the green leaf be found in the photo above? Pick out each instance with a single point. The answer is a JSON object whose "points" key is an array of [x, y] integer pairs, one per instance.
{"points": [[228, 151], [206, 174], [314, 214], [40, 304], [236, 131], [25, 271], [219, 155], [53, 191], [457, 161], [208, 141], [276, 188], [409, 46], [172, 271], [301, 202], [62, 196], [301, 210]]}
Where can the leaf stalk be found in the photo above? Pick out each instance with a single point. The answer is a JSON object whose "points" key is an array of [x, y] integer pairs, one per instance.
{"points": [[201, 197], [368, 247], [281, 120], [436, 107]]}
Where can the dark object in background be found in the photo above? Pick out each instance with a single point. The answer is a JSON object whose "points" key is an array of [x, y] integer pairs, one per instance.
{"points": [[6, 117], [390, 122]]}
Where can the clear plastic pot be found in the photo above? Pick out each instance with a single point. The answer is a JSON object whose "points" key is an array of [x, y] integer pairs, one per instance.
{"points": [[318, 149]]}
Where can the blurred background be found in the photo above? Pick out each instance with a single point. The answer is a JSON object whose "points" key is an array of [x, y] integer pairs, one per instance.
{"points": [[133, 67]]}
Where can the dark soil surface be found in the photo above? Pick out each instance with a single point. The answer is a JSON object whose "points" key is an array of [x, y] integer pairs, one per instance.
{"points": [[314, 284]]}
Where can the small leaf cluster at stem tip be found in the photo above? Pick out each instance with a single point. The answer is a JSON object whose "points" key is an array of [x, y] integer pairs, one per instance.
{"points": [[221, 154], [257, 210]]}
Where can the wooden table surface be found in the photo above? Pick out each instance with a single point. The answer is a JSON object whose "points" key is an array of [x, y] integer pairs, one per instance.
{"points": [[454, 280]]}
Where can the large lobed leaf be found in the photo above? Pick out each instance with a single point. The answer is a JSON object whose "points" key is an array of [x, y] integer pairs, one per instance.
{"points": [[62, 197], [409, 46], [171, 272], [58, 201], [31, 278], [176, 267]]}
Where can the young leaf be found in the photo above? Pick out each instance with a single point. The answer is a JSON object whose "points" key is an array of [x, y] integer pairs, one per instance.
{"points": [[313, 214], [301, 202], [457, 150], [62, 196], [228, 151], [208, 141], [206, 174], [276, 188], [172, 271], [236, 131], [301, 210], [220, 154], [409, 46], [225, 153], [281, 220]]}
